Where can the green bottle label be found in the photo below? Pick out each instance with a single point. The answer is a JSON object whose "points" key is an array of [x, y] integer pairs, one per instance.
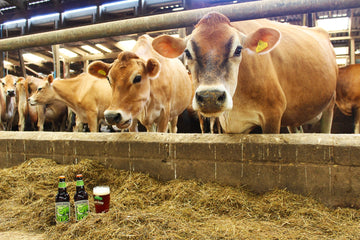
{"points": [[79, 183], [81, 209], [62, 185], [62, 212]]}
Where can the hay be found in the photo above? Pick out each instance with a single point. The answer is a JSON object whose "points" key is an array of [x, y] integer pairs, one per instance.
{"points": [[143, 208]]}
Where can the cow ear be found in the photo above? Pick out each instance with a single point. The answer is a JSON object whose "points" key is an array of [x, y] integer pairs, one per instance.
{"points": [[99, 69], [20, 79], [153, 67], [50, 78], [168, 46], [262, 40]]}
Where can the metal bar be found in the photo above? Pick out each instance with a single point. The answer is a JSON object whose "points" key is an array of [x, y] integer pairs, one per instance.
{"points": [[236, 12]]}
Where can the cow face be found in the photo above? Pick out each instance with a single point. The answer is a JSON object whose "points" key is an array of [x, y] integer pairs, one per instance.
{"points": [[214, 51], [44, 93], [9, 85], [129, 77]]}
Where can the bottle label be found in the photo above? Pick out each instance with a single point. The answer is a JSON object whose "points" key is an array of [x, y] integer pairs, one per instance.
{"points": [[79, 183], [62, 212], [81, 209], [62, 185]]}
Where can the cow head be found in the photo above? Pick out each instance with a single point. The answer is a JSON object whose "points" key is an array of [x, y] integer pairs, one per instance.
{"points": [[129, 77], [44, 93], [9, 85], [214, 52]]}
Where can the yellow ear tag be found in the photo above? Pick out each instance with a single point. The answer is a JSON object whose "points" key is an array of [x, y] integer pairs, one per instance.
{"points": [[102, 72], [261, 46]]}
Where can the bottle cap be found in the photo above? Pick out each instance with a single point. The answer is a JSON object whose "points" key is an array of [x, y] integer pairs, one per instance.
{"points": [[79, 175], [62, 177]]}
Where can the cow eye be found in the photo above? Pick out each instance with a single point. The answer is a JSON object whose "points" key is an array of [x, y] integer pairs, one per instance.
{"points": [[187, 53], [137, 79], [237, 51], [39, 89]]}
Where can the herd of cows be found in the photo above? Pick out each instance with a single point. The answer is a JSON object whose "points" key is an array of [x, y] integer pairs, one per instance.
{"points": [[241, 76]]}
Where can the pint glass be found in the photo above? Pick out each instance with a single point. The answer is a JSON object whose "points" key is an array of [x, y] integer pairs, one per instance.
{"points": [[101, 198]]}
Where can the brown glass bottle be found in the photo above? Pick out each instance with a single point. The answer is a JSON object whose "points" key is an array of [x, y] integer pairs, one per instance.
{"points": [[62, 202], [81, 199]]}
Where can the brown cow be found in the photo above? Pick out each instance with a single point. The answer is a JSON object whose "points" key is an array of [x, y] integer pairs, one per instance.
{"points": [[86, 95], [8, 101], [258, 72], [146, 87], [348, 92]]}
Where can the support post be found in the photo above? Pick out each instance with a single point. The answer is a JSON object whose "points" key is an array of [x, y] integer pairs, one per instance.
{"points": [[56, 60]]}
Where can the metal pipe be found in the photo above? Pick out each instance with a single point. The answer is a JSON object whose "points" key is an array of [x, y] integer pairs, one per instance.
{"points": [[236, 12]]}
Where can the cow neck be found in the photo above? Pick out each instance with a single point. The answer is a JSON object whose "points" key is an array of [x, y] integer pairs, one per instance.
{"points": [[65, 90]]}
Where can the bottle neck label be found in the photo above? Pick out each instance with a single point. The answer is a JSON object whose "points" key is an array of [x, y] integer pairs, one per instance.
{"points": [[79, 183], [62, 212], [62, 185], [81, 209]]}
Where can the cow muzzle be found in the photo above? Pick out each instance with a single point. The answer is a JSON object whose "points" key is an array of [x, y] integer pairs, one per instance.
{"points": [[212, 102], [11, 93], [117, 118]]}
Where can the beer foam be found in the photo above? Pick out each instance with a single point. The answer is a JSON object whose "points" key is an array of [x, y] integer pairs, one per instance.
{"points": [[101, 190]]}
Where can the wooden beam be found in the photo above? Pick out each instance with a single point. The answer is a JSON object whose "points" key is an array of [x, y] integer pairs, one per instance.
{"points": [[235, 12]]}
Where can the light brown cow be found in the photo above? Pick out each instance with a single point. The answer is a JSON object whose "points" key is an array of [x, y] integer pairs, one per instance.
{"points": [[258, 72], [348, 92], [146, 87], [85, 94], [8, 101], [24, 110], [55, 113]]}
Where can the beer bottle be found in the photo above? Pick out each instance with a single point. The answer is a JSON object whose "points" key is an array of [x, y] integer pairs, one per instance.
{"points": [[62, 202], [81, 199]]}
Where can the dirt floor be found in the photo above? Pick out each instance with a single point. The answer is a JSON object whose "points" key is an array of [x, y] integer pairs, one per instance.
{"points": [[144, 208]]}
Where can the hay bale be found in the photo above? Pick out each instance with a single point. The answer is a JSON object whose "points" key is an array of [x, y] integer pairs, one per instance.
{"points": [[144, 208]]}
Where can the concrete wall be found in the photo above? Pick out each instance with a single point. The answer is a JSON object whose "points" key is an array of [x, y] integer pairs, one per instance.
{"points": [[326, 167]]}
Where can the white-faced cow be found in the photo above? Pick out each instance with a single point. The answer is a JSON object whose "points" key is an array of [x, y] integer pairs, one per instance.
{"points": [[348, 92], [258, 72], [146, 87], [85, 94], [8, 101]]}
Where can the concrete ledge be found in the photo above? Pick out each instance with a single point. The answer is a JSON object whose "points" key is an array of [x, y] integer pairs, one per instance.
{"points": [[326, 167]]}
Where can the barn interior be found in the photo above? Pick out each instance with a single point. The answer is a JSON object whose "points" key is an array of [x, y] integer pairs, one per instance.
{"points": [[26, 17]]}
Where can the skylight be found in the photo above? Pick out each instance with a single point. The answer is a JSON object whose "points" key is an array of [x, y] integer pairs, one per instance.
{"points": [[29, 57], [90, 49], [67, 53], [102, 47], [334, 24], [126, 45]]}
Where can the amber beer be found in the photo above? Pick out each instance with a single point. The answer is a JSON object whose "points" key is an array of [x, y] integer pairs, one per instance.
{"points": [[101, 199]]}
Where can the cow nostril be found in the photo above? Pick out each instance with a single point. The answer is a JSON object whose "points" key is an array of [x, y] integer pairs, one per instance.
{"points": [[199, 98], [117, 117], [221, 98], [113, 118], [11, 93]]}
